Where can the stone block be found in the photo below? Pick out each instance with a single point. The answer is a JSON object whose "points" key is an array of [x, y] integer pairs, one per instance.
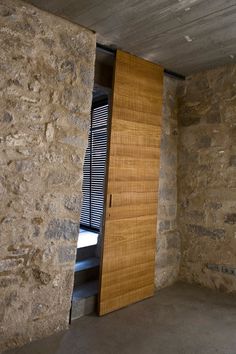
{"points": [[172, 211], [38, 309], [215, 205], [49, 132], [6, 11], [173, 240], [201, 231], [168, 194], [11, 298], [62, 229], [10, 264], [7, 281], [164, 225], [213, 116], [189, 120], [166, 276], [73, 203], [232, 161], [230, 219], [197, 216], [41, 276], [7, 118], [67, 254], [56, 322], [167, 259], [204, 142]]}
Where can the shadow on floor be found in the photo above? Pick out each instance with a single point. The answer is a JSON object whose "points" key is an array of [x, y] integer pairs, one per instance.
{"points": [[181, 319]]}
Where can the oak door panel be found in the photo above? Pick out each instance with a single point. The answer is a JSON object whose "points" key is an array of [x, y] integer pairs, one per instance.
{"points": [[128, 260]]}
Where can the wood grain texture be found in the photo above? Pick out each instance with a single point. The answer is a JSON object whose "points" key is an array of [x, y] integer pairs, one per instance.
{"points": [[156, 30], [127, 269]]}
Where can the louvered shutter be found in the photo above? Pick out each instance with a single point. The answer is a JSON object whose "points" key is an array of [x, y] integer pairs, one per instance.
{"points": [[94, 168]]}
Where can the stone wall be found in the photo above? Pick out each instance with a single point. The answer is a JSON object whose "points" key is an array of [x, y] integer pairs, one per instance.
{"points": [[46, 81], [207, 177], [168, 240]]}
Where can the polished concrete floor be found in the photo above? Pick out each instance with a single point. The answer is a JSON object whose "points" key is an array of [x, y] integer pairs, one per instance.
{"points": [[181, 319]]}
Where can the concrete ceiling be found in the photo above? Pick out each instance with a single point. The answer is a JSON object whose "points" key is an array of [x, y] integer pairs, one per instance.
{"points": [[184, 36]]}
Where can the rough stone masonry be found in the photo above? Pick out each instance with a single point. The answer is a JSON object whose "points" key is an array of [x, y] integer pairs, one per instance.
{"points": [[168, 238], [207, 177], [46, 81]]}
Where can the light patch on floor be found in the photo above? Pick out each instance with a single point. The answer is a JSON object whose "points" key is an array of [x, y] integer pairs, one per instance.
{"points": [[87, 238]]}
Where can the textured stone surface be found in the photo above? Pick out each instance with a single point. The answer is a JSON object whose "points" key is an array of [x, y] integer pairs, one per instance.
{"points": [[46, 81], [46, 72], [207, 177], [168, 240], [62, 229], [66, 254]]}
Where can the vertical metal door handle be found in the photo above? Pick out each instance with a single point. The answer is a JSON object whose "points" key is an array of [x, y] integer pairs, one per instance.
{"points": [[110, 201]]}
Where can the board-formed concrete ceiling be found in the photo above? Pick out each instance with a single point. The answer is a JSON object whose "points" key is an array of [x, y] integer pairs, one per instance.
{"points": [[184, 36]]}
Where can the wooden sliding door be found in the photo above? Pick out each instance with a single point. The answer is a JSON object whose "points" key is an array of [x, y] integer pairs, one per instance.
{"points": [[127, 269]]}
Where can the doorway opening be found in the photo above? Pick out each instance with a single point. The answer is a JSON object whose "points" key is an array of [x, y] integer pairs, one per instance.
{"points": [[86, 279]]}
